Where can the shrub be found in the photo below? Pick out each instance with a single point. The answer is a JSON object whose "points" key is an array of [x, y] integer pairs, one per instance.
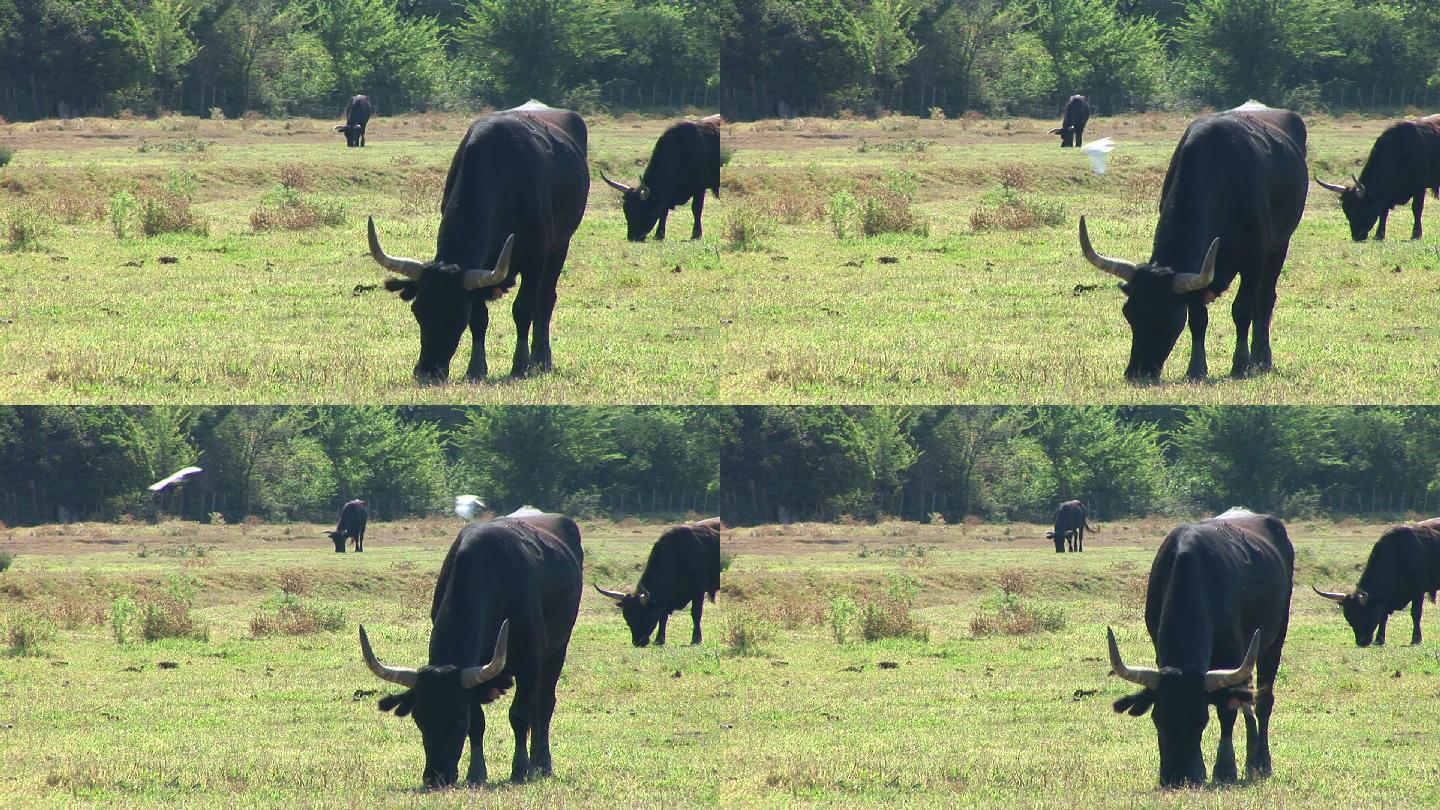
{"points": [[295, 582], [727, 558], [890, 616], [26, 632], [1013, 617], [726, 154], [843, 611], [26, 227], [123, 611], [7, 154], [285, 208], [1010, 210], [7, 559], [168, 618], [746, 633], [296, 618], [124, 210], [296, 175], [747, 227], [888, 211], [842, 211], [168, 212]]}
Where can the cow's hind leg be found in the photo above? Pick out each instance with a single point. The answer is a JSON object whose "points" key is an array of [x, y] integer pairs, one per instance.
{"points": [[1079, 137], [1199, 321], [540, 357], [660, 628], [477, 773], [522, 719], [523, 312], [1225, 755], [1257, 728], [1417, 608], [660, 226], [540, 762], [1418, 206], [1380, 226], [1260, 356], [1242, 311], [697, 609], [479, 323], [697, 207], [1080, 539], [1380, 630]]}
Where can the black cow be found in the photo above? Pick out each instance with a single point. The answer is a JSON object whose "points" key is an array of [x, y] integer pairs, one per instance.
{"points": [[357, 115], [1404, 565], [1218, 603], [685, 163], [684, 565], [1232, 197], [1404, 161], [1071, 521], [505, 605], [353, 517], [515, 194], [1072, 124]]}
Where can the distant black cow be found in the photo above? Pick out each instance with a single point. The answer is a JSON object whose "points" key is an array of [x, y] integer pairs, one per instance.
{"points": [[1071, 521], [515, 194], [1232, 198], [685, 163], [1404, 565], [1404, 161], [684, 565], [357, 115], [504, 607], [1218, 604], [353, 517], [1072, 123]]}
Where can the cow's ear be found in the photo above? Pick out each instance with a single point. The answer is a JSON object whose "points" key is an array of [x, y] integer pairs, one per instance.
{"points": [[1233, 698], [1136, 704], [407, 288], [1125, 288], [401, 703]]}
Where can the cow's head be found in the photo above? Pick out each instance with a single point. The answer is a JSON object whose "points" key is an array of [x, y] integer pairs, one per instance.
{"points": [[1059, 538], [641, 212], [1182, 702], [352, 133], [1362, 613], [1361, 207], [1067, 135], [439, 296], [1156, 302], [440, 700], [338, 538], [641, 610]]}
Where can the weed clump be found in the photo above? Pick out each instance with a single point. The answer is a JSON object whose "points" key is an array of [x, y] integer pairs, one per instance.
{"points": [[747, 633], [25, 634], [169, 615], [7, 559], [746, 227], [1014, 617], [25, 229], [7, 154], [286, 209], [293, 617], [1008, 209]]}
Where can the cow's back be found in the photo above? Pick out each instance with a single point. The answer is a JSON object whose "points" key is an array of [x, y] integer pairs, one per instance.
{"points": [[684, 162]]}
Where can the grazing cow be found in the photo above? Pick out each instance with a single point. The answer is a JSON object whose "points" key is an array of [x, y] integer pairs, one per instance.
{"points": [[1072, 124], [1071, 522], [1404, 161], [515, 194], [685, 163], [684, 565], [357, 115], [353, 517], [1404, 565], [1218, 605], [504, 607], [1232, 197]]}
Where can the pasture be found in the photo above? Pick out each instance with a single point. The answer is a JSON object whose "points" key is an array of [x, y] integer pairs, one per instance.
{"points": [[1004, 701], [994, 302], [269, 295]]}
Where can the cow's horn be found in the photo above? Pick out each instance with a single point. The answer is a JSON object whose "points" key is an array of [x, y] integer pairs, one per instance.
{"points": [[339, 127], [1055, 131], [1359, 186], [401, 675], [476, 279], [616, 595], [644, 191], [1333, 596], [1145, 676], [1361, 596], [620, 187], [1335, 187], [644, 594], [410, 268], [1115, 267], [471, 677], [1223, 678], [1189, 282]]}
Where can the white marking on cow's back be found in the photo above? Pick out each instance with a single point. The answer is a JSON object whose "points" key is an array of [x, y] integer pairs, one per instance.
{"points": [[1235, 511], [526, 511], [532, 104], [1252, 104]]}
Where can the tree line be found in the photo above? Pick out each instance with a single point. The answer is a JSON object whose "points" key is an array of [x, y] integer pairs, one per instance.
{"points": [[307, 57], [781, 464], [1028, 56], [60, 464]]}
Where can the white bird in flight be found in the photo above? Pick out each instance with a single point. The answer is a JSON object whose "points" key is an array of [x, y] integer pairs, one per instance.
{"points": [[468, 506], [178, 477], [1099, 153]]}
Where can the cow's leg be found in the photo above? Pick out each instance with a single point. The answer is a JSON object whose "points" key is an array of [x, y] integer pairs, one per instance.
{"points": [[477, 774], [1242, 311], [660, 226], [697, 609], [479, 323], [1079, 137], [1418, 206], [1417, 607], [1225, 755], [1380, 226], [1260, 357], [697, 207], [522, 717], [540, 762], [1257, 729], [1199, 321], [660, 628], [1080, 539], [540, 358], [1380, 630], [523, 312], [361, 539]]}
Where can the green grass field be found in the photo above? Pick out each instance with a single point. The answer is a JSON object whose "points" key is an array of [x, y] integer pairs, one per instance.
{"points": [[954, 720], [272, 316], [997, 315]]}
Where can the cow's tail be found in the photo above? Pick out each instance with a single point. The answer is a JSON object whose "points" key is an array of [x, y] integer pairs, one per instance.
{"points": [[1088, 527]]}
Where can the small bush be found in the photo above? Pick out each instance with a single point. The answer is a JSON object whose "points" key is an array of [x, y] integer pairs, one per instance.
{"points": [[907, 145], [26, 633], [1015, 618], [180, 147], [296, 175], [285, 208], [887, 211], [123, 612], [747, 227], [168, 212], [7, 154], [841, 616], [1010, 210], [842, 211], [170, 618], [726, 153], [727, 558], [124, 213], [7, 559], [746, 633], [295, 582], [891, 616], [296, 618], [26, 228]]}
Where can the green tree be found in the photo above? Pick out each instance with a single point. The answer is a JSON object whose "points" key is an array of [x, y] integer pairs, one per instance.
{"points": [[1231, 50]]}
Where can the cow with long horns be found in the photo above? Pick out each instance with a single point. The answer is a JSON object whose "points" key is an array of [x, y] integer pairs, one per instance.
{"points": [[1072, 122], [1404, 565], [684, 566], [1217, 608], [504, 608], [1403, 163], [684, 164], [351, 526], [357, 117], [1232, 197], [514, 196], [1072, 519]]}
